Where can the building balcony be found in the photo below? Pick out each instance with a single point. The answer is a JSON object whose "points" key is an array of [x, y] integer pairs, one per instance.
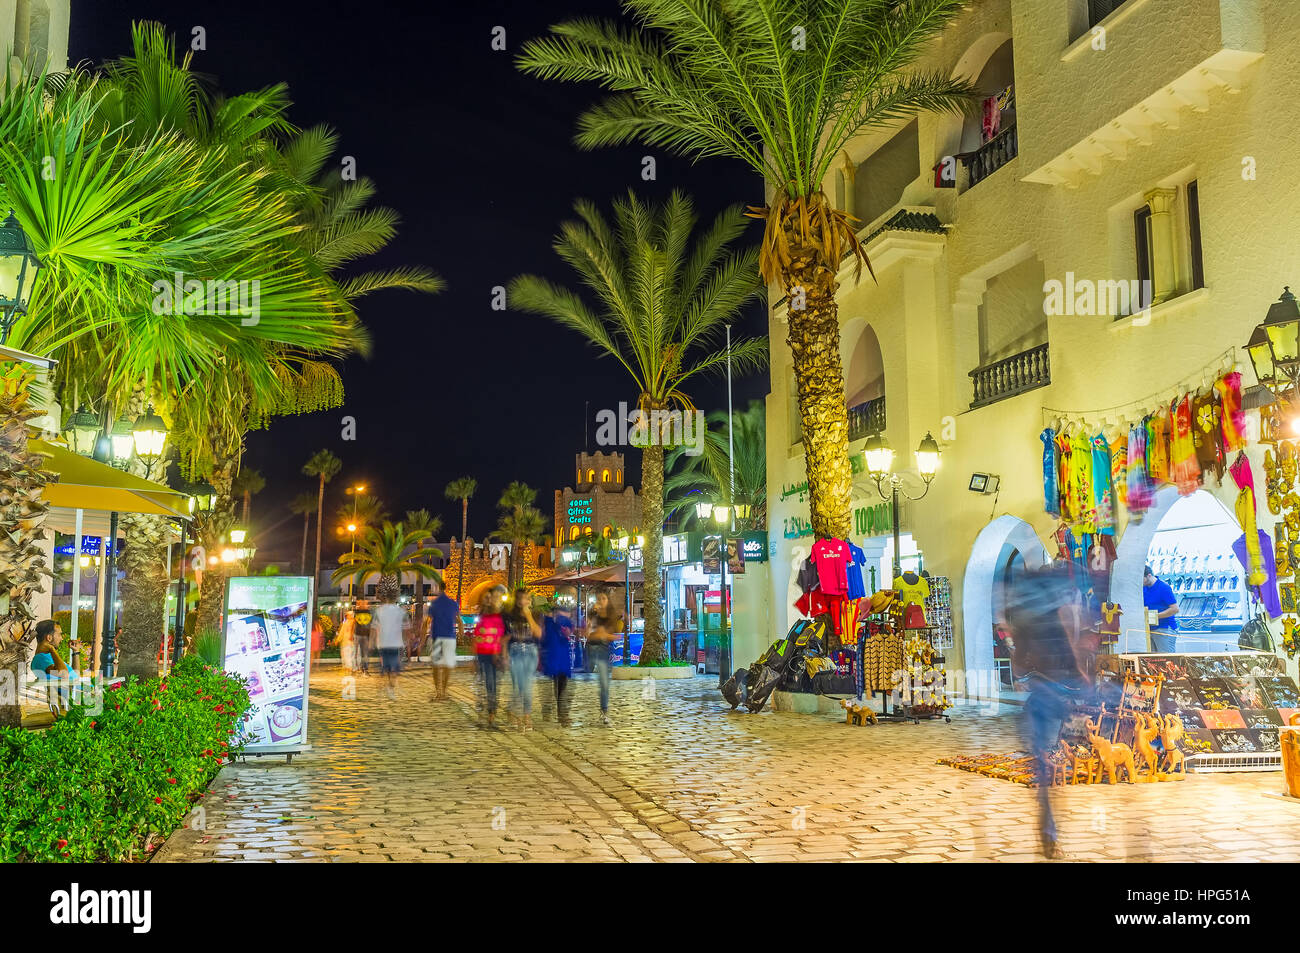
{"points": [[1011, 376], [867, 418], [991, 156]]}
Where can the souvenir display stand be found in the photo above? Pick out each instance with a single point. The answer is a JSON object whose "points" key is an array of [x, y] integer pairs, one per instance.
{"points": [[901, 663], [938, 612]]}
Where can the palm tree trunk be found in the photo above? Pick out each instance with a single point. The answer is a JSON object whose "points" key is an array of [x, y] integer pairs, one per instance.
{"points": [[302, 558], [654, 648], [144, 580], [212, 533], [814, 341], [464, 528], [320, 511]]}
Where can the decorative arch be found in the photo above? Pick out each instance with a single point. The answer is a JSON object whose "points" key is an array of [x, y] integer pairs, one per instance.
{"points": [[977, 597], [969, 66], [863, 362]]}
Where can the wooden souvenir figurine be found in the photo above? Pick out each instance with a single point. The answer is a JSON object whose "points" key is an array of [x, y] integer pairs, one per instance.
{"points": [[1171, 729], [1145, 730], [1113, 758]]}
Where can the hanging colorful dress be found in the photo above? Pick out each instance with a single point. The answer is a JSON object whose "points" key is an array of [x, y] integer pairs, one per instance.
{"points": [[1256, 574], [1141, 492], [1051, 497], [1184, 471], [1102, 496], [1207, 433], [1234, 418], [1064, 451], [1118, 470], [1081, 484], [1157, 448]]}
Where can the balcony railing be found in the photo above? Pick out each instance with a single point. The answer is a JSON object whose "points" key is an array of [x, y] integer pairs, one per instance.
{"points": [[1011, 376], [991, 156], [867, 417]]}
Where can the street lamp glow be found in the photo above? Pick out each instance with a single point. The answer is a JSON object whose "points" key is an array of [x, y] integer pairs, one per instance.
{"points": [[229, 555], [927, 458], [237, 536], [721, 513], [352, 527], [704, 510], [880, 456], [123, 441], [82, 429], [150, 435]]}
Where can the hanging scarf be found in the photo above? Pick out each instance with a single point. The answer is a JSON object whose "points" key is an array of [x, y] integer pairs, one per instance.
{"points": [[1051, 497], [1081, 484], [1064, 450], [1118, 466], [1157, 448], [1141, 492], [1184, 471], [1245, 480], [1234, 418], [1102, 498]]}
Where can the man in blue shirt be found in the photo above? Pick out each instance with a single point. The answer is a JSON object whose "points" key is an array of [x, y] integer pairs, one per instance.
{"points": [[1157, 595], [444, 620]]}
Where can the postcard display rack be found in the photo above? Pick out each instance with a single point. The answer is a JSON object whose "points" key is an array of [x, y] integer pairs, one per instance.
{"points": [[1231, 705], [938, 612]]}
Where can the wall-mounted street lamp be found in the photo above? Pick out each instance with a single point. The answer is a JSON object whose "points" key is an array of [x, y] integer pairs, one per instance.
{"points": [[18, 269], [880, 467]]}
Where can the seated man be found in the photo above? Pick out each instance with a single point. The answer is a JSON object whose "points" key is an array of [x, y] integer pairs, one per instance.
{"points": [[48, 665]]}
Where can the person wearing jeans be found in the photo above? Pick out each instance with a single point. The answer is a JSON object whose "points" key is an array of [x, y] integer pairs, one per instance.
{"points": [[523, 636], [488, 636], [606, 623]]}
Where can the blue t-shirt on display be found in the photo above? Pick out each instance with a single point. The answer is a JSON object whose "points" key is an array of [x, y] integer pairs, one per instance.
{"points": [[443, 613], [857, 559], [1160, 597]]}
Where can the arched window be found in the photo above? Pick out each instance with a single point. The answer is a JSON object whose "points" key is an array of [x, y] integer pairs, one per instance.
{"points": [[606, 531], [591, 476], [573, 533], [604, 476], [618, 476]]}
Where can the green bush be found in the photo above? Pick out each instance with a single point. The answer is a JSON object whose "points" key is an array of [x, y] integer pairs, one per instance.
{"points": [[111, 786], [208, 647]]}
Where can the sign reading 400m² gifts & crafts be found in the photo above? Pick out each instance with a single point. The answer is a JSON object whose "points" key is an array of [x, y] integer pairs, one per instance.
{"points": [[267, 642]]}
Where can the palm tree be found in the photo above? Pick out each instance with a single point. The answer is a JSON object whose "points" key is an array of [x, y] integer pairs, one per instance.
{"points": [[421, 521], [709, 474], [246, 484], [662, 306], [520, 522], [725, 78], [363, 512], [462, 489], [304, 504], [384, 553], [326, 466]]}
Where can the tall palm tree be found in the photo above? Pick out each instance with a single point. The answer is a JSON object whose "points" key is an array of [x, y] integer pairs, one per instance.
{"points": [[363, 512], [709, 474], [462, 489], [304, 504], [385, 552], [661, 307], [727, 78], [421, 521], [246, 484], [325, 466], [516, 524]]}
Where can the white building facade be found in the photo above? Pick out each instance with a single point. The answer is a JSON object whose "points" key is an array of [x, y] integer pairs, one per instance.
{"points": [[1137, 141]]}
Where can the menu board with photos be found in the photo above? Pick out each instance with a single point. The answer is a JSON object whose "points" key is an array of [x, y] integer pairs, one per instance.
{"points": [[267, 642]]}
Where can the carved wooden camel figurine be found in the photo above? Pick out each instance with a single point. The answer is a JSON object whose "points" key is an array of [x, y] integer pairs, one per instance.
{"points": [[1113, 757], [1171, 729], [1145, 729], [1081, 766]]}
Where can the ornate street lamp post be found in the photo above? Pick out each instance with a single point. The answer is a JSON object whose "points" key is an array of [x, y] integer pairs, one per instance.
{"points": [[18, 269], [880, 465]]}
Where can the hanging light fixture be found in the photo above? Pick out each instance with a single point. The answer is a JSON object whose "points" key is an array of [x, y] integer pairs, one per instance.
{"points": [[81, 432], [18, 269], [150, 433], [123, 441], [1274, 347], [704, 509], [880, 456], [927, 458]]}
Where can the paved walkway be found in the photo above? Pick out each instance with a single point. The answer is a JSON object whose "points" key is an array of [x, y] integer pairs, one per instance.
{"points": [[680, 777]]}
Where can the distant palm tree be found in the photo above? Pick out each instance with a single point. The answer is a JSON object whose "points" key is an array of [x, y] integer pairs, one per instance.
{"points": [[725, 78], [462, 489], [421, 521], [304, 504], [662, 304], [246, 484], [384, 552], [326, 466], [520, 522], [709, 475]]}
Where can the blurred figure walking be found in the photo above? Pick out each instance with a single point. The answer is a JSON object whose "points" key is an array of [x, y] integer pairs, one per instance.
{"points": [[489, 634], [604, 624], [557, 660], [523, 637], [363, 619], [444, 623], [346, 640], [1043, 616], [390, 624]]}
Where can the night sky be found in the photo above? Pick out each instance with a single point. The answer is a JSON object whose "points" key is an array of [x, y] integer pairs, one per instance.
{"points": [[478, 159]]}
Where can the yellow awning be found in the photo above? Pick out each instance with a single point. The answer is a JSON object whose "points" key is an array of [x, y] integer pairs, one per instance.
{"points": [[85, 484]]}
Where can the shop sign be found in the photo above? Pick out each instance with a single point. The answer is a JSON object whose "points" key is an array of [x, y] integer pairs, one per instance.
{"points": [[754, 546], [867, 521], [635, 560], [90, 546], [675, 549], [580, 510], [800, 490], [266, 642], [711, 555]]}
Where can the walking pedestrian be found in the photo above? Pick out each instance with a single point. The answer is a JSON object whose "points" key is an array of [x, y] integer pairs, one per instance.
{"points": [[346, 640], [489, 634], [1044, 628], [317, 639], [557, 662], [390, 627], [363, 620], [523, 637], [444, 623], [604, 624]]}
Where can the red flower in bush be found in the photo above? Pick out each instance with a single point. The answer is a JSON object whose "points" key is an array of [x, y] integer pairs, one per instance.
{"points": [[140, 721], [157, 800], [62, 843], [92, 724], [172, 781]]}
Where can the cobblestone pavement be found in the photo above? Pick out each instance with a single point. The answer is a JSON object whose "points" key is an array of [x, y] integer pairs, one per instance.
{"points": [[680, 777]]}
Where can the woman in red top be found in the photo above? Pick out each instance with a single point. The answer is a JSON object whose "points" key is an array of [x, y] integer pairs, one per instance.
{"points": [[489, 634]]}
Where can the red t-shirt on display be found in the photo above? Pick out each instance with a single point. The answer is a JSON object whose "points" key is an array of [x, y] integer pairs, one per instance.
{"points": [[831, 557]]}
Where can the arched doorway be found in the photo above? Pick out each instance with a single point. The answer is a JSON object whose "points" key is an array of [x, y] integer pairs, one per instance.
{"points": [[1006, 545], [1202, 527]]}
